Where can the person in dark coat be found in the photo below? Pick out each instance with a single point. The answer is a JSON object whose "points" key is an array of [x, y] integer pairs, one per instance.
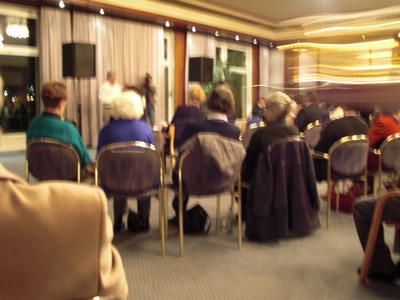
{"points": [[350, 124], [309, 113], [278, 114]]}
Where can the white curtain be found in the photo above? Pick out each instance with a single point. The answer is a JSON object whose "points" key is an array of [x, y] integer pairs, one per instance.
{"points": [[129, 48], [55, 30], [264, 71], [198, 45]]}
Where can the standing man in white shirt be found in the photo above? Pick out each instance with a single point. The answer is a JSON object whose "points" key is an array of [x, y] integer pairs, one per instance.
{"points": [[107, 92]]}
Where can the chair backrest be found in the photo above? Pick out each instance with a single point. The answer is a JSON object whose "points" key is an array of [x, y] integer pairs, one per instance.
{"points": [[50, 159], [129, 169], [159, 141], [210, 164], [390, 153], [246, 137], [348, 156], [312, 133]]}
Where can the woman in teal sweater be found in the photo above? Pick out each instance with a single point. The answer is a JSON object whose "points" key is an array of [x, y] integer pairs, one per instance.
{"points": [[52, 125]]}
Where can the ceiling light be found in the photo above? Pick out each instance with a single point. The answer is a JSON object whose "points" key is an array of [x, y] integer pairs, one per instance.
{"points": [[373, 45], [61, 4], [102, 11], [216, 33], [17, 30], [255, 41], [271, 45], [237, 37], [167, 24], [193, 29]]}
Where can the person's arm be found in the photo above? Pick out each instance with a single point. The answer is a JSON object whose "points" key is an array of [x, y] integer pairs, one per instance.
{"points": [[112, 280]]}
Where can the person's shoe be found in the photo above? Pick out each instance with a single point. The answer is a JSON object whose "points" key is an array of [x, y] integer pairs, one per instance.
{"points": [[144, 225], [174, 221]]}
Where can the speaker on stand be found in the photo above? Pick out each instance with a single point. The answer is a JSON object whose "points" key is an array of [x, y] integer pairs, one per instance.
{"points": [[201, 69], [79, 61]]}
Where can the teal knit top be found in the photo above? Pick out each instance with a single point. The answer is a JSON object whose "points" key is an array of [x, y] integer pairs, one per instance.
{"points": [[51, 126]]}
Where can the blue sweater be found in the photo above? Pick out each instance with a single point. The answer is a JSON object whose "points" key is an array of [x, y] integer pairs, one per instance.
{"points": [[125, 131]]}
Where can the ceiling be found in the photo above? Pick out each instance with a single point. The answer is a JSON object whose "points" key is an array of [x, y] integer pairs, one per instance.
{"points": [[269, 20]]}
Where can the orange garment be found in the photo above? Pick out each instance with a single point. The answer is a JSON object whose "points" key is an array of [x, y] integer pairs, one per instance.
{"points": [[383, 126]]}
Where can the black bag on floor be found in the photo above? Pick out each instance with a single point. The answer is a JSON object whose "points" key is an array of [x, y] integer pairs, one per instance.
{"points": [[196, 221], [133, 221]]}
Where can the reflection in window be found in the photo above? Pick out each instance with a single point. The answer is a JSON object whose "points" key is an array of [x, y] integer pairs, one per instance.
{"points": [[18, 31], [236, 58], [20, 95]]}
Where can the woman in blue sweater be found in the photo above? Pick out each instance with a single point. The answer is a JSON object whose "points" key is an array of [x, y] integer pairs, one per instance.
{"points": [[125, 126]]}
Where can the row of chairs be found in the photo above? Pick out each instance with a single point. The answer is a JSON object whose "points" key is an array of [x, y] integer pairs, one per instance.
{"points": [[129, 169]]}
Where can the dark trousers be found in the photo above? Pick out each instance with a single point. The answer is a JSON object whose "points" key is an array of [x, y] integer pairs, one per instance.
{"points": [[175, 202], [363, 211], [121, 207]]}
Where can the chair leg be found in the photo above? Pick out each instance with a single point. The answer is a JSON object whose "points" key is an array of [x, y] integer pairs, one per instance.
{"points": [[328, 202], [180, 217], [218, 213], [239, 204], [336, 189], [162, 219], [166, 202]]}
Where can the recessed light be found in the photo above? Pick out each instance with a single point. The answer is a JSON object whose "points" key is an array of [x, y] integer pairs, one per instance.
{"points": [[102, 11], [193, 29], [237, 37], [167, 24], [61, 4], [255, 42], [216, 33]]}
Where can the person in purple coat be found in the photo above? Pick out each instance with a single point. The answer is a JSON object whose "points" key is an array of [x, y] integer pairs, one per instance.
{"points": [[125, 126]]}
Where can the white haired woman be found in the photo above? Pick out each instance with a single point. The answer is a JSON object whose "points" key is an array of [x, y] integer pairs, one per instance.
{"points": [[125, 126]]}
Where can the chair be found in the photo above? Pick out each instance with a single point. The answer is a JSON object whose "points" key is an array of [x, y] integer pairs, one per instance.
{"points": [[283, 198], [312, 133], [246, 137], [209, 165], [373, 232], [388, 158], [347, 159], [51, 159], [132, 169]]}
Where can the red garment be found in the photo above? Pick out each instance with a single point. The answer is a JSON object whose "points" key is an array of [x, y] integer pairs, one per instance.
{"points": [[383, 126]]}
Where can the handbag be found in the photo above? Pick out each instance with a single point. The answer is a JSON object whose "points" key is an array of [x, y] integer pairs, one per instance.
{"points": [[196, 221]]}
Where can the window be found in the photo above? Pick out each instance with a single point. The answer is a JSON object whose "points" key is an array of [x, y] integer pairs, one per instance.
{"points": [[235, 62], [18, 68]]}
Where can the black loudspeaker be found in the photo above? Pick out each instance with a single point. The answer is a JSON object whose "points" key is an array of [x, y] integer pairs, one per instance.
{"points": [[201, 69], [79, 60]]}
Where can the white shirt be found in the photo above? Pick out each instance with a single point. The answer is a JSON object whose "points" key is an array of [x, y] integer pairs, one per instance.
{"points": [[108, 92]]}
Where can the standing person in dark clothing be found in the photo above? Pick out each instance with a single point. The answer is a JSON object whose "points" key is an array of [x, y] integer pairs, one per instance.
{"points": [[149, 92], [309, 113]]}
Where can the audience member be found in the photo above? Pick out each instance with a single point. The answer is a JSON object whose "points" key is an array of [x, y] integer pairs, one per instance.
{"points": [[383, 125], [278, 114], [299, 99], [108, 91], [350, 124], [188, 113], [220, 104], [52, 124], [148, 90], [191, 111], [125, 125], [382, 265], [56, 242], [309, 113], [256, 117]]}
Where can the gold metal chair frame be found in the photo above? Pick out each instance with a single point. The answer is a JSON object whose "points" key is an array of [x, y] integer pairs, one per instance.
{"points": [[126, 147], [316, 125], [183, 157], [56, 143], [347, 139]]}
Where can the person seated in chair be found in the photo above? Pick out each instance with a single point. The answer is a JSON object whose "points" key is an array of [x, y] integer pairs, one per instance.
{"points": [[349, 124], [382, 266], [56, 242], [126, 126], [309, 112], [279, 109], [51, 123], [220, 104], [191, 112]]}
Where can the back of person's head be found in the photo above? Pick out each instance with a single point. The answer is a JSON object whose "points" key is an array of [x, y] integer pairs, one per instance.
{"points": [[128, 105], [310, 97], [298, 98], [196, 95], [279, 108], [110, 74], [221, 100], [53, 93]]}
